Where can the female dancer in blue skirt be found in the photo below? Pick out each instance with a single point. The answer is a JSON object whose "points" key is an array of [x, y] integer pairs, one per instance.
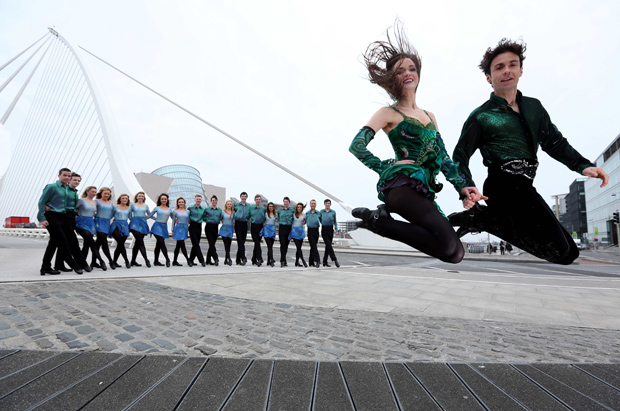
{"points": [[227, 229], [120, 228], [85, 223], [139, 228], [180, 218], [105, 210], [298, 234], [160, 228], [269, 232]]}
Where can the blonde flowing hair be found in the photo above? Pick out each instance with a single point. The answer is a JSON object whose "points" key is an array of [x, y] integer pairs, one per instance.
{"points": [[232, 207]]}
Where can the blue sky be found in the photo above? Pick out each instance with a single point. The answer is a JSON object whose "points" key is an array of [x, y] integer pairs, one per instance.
{"points": [[286, 78]]}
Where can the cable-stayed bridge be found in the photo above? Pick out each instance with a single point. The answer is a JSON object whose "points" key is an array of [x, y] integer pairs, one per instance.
{"points": [[69, 125]]}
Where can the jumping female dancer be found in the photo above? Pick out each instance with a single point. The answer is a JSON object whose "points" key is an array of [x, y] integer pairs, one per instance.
{"points": [[227, 229], [269, 232], [160, 228], [85, 224], [298, 234], [105, 210], [120, 228], [139, 228], [407, 183], [180, 218]]}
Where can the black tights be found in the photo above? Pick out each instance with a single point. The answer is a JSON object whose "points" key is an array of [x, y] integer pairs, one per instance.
{"points": [[160, 246], [426, 230], [102, 243], [138, 246], [299, 254], [270, 242], [227, 241], [89, 244], [180, 247], [120, 245]]}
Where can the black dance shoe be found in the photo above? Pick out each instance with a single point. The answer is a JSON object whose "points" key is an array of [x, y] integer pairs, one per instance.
{"points": [[304, 263], [135, 264], [87, 268], [203, 264], [78, 270], [369, 218], [95, 265], [244, 261], [228, 261], [464, 220], [158, 264], [63, 269], [209, 262], [127, 264], [271, 263], [297, 264], [190, 264], [49, 271], [326, 265], [317, 264], [148, 263], [112, 265], [336, 263], [103, 266], [175, 263], [168, 264], [117, 265]]}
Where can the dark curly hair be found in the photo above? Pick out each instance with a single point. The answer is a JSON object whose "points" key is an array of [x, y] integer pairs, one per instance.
{"points": [[505, 45], [381, 57]]}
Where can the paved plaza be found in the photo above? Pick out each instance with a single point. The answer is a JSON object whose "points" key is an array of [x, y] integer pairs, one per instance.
{"points": [[377, 307]]}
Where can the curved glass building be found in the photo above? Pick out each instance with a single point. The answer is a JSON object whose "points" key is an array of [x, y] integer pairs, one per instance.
{"points": [[187, 182]]}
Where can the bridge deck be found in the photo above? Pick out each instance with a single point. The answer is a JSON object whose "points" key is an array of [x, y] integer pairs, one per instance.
{"points": [[102, 381]]}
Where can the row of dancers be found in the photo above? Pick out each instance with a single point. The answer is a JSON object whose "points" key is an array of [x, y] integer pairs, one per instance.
{"points": [[95, 217]]}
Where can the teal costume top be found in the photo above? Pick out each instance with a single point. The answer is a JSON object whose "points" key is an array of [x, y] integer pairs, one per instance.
{"points": [[196, 213], [242, 212], [328, 218], [257, 214], [285, 216], [140, 212], [313, 219], [86, 209], [501, 134], [72, 198], [411, 140], [122, 215], [212, 215], [55, 197]]}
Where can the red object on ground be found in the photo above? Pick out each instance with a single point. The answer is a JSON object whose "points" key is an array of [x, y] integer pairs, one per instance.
{"points": [[11, 222]]}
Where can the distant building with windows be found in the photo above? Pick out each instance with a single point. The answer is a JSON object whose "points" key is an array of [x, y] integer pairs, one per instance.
{"points": [[575, 217], [178, 180], [601, 203]]}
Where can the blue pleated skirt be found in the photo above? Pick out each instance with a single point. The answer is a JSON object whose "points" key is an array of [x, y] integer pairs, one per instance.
{"points": [[297, 233], [226, 231], [268, 231], [86, 223], [180, 232], [102, 225], [139, 224], [122, 226], [160, 229]]}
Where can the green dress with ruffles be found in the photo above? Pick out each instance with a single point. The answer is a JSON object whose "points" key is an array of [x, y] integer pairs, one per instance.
{"points": [[422, 144]]}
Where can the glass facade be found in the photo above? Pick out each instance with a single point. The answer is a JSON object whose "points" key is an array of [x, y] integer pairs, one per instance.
{"points": [[601, 203], [187, 182]]}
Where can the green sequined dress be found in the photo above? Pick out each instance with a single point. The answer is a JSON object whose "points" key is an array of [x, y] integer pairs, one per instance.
{"points": [[411, 140]]}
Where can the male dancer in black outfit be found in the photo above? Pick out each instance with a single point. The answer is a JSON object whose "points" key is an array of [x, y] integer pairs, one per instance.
{"points": [[196, 213], [508, 129]]}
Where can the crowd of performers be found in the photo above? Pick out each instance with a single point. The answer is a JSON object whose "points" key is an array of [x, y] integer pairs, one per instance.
{"points": [[508, 129], [95, 217]]}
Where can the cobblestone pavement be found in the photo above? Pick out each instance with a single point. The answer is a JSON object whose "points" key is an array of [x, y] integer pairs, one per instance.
{"points": [[130, 316]]}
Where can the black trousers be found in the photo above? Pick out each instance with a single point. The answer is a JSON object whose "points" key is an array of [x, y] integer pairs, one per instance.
{"points": [[241, 231], [313, 239], [283, 233], [516, 213], [74, 246], [195, 230], [257, 254], [58, 241], [327, 232], [211, 234]]}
